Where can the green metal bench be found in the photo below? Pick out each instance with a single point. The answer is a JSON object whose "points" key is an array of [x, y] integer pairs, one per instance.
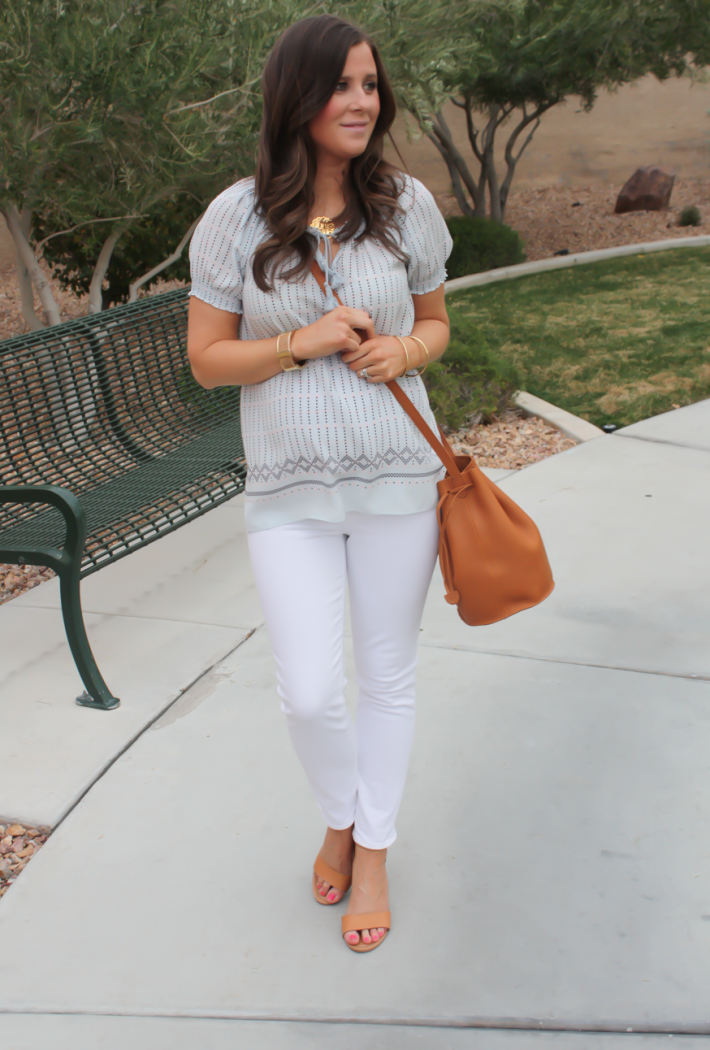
{"points": [[106, 444]]}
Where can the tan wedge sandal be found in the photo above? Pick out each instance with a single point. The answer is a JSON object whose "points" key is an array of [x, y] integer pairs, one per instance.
{"points": [[336, 879], [371, 921]]}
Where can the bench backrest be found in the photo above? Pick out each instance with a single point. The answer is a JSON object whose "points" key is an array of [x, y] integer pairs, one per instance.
{"points": [[108, 397]]}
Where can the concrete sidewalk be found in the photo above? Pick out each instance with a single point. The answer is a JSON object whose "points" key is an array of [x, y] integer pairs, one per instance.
{"points": [[156, 620], [552, 865]]}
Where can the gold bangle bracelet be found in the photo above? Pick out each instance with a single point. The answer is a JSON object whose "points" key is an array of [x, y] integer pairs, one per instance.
{"points": [[424, 348], [406, 357], [285, 357], [407, 373]]}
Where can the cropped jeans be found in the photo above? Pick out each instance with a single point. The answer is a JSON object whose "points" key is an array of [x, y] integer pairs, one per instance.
{"points": [[303, 571]]}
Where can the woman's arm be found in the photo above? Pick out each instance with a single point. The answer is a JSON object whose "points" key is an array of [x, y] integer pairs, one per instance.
{"points": [[218, 357], [383, 356]]}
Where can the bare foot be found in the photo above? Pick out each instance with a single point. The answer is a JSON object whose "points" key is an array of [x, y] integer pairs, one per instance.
{"points": [[369, 891], [337, 852]]}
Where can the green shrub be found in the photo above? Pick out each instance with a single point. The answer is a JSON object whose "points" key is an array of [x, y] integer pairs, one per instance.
{"points": [[470, 383], [690, 216], [480, 244]]}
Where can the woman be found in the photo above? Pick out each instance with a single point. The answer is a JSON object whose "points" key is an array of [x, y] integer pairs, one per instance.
{"points": [[341, 487]]}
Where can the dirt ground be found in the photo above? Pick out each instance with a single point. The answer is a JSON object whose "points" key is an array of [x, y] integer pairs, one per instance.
{"points": [[643, 123]]}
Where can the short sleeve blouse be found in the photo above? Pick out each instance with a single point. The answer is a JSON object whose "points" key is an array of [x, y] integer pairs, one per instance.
{"points": [[321, 442]]}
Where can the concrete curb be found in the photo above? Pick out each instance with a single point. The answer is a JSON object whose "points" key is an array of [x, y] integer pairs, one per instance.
{"points": [[578, 429], [561, 262]]}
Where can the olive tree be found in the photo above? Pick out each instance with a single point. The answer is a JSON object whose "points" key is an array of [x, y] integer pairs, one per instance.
{"points": [[109, 106], [505, 63]]}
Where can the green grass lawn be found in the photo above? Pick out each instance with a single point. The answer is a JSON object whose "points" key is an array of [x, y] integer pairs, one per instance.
{"points": [[613, 342]]}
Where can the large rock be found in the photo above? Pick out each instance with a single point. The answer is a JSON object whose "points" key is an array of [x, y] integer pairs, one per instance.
{"points": [[648, 189]]}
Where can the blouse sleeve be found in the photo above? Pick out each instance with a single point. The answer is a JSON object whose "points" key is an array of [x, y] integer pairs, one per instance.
{"points": [[217, 265], [426, 239]]}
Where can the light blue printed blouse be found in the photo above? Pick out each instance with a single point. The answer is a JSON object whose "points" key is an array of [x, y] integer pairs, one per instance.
{"points": [[320, 442]]}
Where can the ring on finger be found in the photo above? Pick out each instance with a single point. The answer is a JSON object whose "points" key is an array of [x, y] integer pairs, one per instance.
{"points": [[363, 374]]}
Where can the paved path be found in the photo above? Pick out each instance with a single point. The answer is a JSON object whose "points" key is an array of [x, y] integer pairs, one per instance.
{"points": [[552, 864]]}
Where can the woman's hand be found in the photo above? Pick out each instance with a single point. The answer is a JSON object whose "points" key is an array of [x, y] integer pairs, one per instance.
{"points": [[382, 357], [335, 331]]}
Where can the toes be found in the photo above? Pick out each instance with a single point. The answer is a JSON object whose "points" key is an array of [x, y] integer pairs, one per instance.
{"points": [[323, 887], [334, 895], [367, 936]]}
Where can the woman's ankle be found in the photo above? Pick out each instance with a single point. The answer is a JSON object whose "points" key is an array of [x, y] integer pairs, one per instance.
{"points": [[339, 837], [375, 857]]}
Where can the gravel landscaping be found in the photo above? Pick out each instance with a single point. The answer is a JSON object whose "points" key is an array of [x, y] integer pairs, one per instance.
{"points": [[557, 218], [510, 441], [18, 845], [16, 579]]}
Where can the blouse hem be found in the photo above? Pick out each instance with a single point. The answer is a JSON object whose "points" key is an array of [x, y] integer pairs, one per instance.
{"points": [[334, 506]]}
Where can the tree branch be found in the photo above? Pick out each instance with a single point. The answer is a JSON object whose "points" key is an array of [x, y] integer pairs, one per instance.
{"points": [[511, 159], [133, 288], [102, 264], [206, 102], [472, 131], [89, 222]]}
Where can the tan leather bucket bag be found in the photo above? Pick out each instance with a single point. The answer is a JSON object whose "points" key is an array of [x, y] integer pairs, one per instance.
{"points": [[491, 554]]}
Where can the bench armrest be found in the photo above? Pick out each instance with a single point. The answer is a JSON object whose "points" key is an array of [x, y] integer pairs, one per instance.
{"points": [[72, 512]]}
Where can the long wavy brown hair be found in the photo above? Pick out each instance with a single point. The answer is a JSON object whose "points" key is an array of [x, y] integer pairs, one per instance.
{"points": [[299, 78]]}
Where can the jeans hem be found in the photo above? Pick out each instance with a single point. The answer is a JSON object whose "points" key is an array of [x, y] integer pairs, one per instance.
{"points": [[336, 827], [369, 845]]}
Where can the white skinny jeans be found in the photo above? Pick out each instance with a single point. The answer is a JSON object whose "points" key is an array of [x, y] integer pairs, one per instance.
{"points": [[357, 772]]}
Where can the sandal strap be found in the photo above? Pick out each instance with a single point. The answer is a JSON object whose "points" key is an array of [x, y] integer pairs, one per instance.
{"points": [[334, 878], [372, 921]]}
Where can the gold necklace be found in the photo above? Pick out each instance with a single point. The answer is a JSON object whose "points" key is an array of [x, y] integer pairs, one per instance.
{"points": [[323, 224]]}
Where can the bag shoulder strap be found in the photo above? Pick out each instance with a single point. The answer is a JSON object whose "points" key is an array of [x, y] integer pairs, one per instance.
{"points": [[439, 444]]}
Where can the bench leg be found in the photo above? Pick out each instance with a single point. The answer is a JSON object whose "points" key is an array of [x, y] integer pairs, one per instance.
{"points": [[97, 692]]}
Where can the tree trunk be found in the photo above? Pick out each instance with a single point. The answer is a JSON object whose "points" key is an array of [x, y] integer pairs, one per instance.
{"points": [[96, 302], [481, 211], [486, 184], [496, 208], [488, 151], [27, 258], [27, 295], [27, 298]]}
